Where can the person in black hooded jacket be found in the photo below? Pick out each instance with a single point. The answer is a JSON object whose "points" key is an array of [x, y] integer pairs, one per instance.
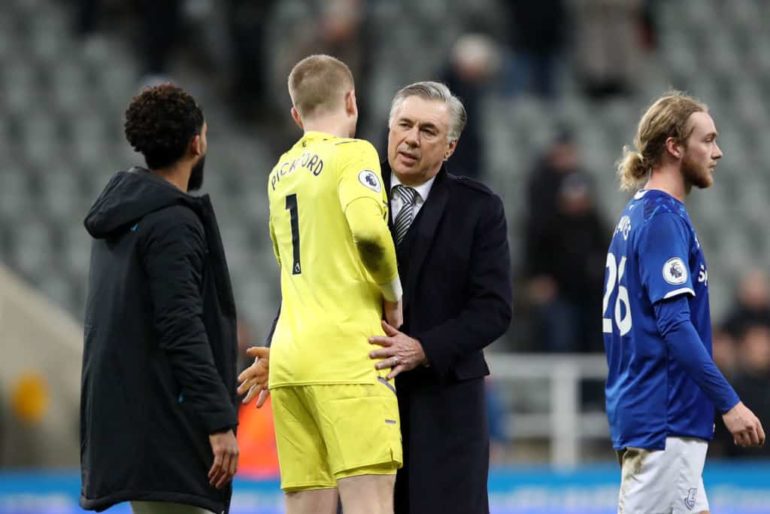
{"points": [[158, 400]]}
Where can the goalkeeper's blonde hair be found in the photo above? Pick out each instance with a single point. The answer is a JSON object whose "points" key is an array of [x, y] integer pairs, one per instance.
{"points": [[318, 84], [667, 117]]}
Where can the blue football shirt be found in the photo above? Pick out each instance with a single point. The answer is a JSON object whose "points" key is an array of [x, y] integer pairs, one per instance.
{"points": [[654, 255]]}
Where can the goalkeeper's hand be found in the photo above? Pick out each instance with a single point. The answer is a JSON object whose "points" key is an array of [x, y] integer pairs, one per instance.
{"points": [[253, 380]]}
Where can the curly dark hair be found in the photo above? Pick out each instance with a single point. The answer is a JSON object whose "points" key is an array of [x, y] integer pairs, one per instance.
{"points": [[160, 122]]}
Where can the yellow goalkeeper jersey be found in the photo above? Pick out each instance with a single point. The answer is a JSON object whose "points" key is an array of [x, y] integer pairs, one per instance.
{"points": [[327, 201]]}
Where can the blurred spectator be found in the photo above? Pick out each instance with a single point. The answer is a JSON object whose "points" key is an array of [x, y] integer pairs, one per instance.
{"points": [[752, 304], [725, 352], [256, 441], [339, 28], [559, 160], [164, 23], [473, 62], [161, 24], [256, 430], [537, 40], [607, 45], [565, 263], [648, 25], [752, 381], [247, 26], [87, 14]]}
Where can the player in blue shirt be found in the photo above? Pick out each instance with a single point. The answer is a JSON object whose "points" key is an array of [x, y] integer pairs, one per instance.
{"points": [[663, 385]]}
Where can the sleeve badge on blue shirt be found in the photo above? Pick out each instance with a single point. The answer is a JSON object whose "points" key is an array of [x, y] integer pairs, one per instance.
{"points": [[369, 179], [675, 272]]}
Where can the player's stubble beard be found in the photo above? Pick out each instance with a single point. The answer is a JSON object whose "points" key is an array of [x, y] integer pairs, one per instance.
{"points": [[196, 175], [695, 173]]}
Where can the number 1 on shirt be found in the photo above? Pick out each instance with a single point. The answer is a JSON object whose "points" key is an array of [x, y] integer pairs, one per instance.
{"points": [[291, 206]]}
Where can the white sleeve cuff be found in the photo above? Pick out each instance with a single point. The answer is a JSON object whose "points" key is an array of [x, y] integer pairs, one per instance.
{"points": [[392, 291], [679, 291]]}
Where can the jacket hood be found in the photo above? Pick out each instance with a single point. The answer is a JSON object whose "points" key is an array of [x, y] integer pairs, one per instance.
{"points": [[128, 196]]}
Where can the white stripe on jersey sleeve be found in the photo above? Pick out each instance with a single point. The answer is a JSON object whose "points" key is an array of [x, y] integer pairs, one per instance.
{"points": [[675, 292]]}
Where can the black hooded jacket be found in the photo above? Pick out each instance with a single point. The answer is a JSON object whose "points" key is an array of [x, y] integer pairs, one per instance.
{"points": [[159, 370]]}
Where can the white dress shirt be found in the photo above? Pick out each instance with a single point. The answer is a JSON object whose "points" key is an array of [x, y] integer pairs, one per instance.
{"points": [[423, 190]]}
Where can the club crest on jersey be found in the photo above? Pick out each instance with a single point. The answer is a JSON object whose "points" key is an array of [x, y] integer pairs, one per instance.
{"points": [[675, 272], [689, 501], [369, 179]]}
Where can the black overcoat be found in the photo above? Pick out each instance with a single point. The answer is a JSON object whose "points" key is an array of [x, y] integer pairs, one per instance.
{"points": [[159, 366], [456, 272]]}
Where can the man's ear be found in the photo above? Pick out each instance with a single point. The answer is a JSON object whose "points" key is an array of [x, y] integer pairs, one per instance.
{"points": [[296, 117], [351, 107], [196, 145], [451, 149], [674, 147]]}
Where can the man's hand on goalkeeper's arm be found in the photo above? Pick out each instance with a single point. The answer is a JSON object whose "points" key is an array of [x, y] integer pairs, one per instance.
{"points": [[253, 380]]}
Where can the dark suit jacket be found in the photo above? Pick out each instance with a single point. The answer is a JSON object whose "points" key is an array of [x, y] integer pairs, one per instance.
{"points": [[455, 270]]}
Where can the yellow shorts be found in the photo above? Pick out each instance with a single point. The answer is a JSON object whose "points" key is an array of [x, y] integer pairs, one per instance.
{"points": [[327, 432]]}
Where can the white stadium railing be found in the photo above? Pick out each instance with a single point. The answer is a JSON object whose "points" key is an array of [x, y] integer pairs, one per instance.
{"points": [[564, 423]]}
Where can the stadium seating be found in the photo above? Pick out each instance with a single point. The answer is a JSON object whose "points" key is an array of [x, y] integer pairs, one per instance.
{"points": [[62, 101]]}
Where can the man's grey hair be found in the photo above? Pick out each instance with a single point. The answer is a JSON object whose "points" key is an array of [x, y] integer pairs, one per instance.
{"points": [[429, 90]]}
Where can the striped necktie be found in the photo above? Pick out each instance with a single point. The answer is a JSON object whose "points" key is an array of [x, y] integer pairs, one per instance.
{"points": [[408, 196]]}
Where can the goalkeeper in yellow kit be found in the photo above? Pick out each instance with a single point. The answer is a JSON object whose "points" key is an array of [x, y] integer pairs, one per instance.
{"points": [[336, 418]]}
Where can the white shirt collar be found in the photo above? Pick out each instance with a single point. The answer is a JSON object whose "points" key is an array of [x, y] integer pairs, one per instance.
{"points": [[423, 189]]}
